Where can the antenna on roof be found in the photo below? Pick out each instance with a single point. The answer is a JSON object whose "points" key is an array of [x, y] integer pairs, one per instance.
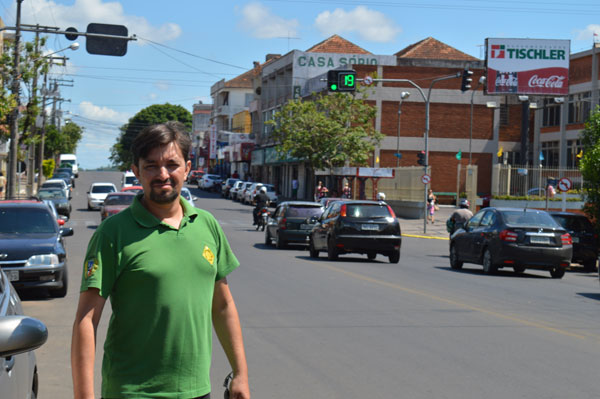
{"points": [[288, 37]]}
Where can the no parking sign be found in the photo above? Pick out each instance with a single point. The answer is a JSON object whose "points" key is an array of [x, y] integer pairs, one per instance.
{"points": [[564, 184]]}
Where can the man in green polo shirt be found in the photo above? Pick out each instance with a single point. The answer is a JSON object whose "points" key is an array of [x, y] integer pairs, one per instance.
{"points": [[163, 263]]}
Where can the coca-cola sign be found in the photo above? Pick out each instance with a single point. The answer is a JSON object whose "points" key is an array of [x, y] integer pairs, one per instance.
{"points": [[553, 81]]}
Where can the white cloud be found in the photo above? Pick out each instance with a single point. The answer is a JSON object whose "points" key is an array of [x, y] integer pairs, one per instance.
{"points": [[263, 24], [588, 33], [47, 12], [102, 114], [370, 25], [162, 85]]}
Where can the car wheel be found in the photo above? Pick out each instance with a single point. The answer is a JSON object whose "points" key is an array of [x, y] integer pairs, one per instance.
{"points": [[279, 243], [519, 269], [371, 255], [89, 207], [394, 256], [589, 265], [488, 263], [267, 238], [557, 272], [332, 253], [62, 291], [455, 262], [311, 249]]}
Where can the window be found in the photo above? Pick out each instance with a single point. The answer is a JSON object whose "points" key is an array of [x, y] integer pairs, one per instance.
{"points": [[551, 113], [504, 116], [522, 218], [579, 107], [574, 148], [550, 151], [368, 211], [474, 221], [488, 219]]}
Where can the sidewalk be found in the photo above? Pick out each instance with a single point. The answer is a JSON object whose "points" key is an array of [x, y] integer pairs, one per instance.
{"points": [[437, 230]]}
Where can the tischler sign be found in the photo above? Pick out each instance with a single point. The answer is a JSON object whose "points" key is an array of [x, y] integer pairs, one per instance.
{"points": [[528, 66]]}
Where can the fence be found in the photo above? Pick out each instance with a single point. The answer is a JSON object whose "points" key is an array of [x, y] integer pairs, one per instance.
{"points": [[527, 180]]}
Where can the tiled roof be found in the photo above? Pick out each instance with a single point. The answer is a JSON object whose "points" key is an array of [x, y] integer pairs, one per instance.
{"points": [[337, 44], [245, 80], [433, 49]]}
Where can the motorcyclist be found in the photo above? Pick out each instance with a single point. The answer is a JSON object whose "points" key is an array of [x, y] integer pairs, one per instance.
{"points": [[459, 217], [380, 196], [262, 200]]}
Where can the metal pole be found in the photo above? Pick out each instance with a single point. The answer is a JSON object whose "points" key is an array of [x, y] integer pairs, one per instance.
{"points": [[40, 164], [31, 147], [471, 126], [398, 137], [14, 123]]}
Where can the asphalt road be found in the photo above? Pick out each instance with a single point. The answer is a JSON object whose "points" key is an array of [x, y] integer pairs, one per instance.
{"points": [[368, 329]]}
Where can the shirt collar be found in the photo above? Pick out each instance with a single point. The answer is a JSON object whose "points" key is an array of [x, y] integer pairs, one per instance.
{"points": [[146, 219]]}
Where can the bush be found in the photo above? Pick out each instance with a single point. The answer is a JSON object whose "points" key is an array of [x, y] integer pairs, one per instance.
{"points": [[48, 167]]}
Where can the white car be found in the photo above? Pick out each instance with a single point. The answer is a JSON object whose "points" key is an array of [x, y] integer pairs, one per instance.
{"points": [[97, 193], [234, 190], [58, 183], [255, 189], [128, 179], [19, 336], [187, 194], [209, 182], [250, 193]]}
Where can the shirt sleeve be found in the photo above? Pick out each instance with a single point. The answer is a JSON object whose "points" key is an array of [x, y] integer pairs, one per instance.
{"points": [[100, 265]]}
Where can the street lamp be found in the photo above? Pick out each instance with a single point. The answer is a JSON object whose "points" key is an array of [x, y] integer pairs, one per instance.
{"points": [[403, 96], [480, 82]]}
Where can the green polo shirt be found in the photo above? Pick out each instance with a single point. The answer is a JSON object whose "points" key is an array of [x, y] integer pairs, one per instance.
{"points": [[160, 281]]}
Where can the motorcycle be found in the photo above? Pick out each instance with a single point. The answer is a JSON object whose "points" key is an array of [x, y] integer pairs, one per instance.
{"points": [[263, 217]]}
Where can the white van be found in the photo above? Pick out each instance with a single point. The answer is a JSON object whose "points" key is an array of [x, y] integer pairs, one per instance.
{"points": [[128, 179], [71, 159]]}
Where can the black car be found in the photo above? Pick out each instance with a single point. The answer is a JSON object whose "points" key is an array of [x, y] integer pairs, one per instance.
{"points": [[32, 248], [289, 223], [66, 176], [58, 197], [585, 239], [364, 227], [511, 237]]}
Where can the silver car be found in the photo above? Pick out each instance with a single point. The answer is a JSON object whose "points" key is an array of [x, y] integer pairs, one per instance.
{"points": [[19, 336]]}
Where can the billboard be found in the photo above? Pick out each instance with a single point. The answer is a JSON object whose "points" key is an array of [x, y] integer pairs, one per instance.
{"points": [[527, 66]]}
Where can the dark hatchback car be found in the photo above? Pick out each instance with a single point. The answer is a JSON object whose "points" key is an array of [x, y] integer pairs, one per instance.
{"points": [[32, 247], [585, 239], [67, 177], [289, 223], [58, 198], [364, 227], [511, 237]]}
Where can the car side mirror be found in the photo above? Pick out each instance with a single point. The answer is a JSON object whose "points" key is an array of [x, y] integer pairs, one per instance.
{"points": [[312, 220], [66, 231], [19, 334]]}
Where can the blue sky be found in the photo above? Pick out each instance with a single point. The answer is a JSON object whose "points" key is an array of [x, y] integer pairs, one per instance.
{"points": [[185, 46]]}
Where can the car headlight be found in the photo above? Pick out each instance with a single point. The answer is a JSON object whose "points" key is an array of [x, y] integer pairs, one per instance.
{"points": [[43, 260]]}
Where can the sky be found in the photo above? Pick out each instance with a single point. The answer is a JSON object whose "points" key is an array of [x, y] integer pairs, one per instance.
{"points": [[185, 46]]}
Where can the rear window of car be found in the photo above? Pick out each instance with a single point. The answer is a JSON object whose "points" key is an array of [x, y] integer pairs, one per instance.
{"points": [[574, 223], [103, 189], [51, 194], [119, 200], [520, 218], [131, 180], [26, 221], [367, 211], [53, 185], [303, 211]]}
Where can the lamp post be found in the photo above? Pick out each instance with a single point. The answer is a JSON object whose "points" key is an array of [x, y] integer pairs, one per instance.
{"points": [[404, 95], [480, 82]]}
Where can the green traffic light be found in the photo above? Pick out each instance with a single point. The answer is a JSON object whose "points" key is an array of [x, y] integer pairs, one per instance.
{"points": [[333, 87]]}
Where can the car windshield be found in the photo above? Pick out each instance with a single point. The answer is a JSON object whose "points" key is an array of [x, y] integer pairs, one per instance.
{"points": [[270, 189], [26, 221], [303, 211], [103, 189], [51, 194], [131, 180], [119, 200], [521, 218], [574, 223], [367, 211], [53, 185]]}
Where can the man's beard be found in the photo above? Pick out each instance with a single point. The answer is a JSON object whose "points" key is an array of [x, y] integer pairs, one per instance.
{"points": [[162, 197]]}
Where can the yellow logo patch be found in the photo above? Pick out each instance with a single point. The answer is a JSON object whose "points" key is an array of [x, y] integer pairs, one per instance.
{"points": [[91, 267], [208, 255]]}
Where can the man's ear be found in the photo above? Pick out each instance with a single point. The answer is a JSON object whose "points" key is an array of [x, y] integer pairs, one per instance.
{"points": [[136, 171]]}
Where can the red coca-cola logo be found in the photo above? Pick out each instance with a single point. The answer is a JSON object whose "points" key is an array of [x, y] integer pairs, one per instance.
{"points": [[554, 81]]}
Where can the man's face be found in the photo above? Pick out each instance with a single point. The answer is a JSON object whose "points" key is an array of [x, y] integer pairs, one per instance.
{"points": [[162, 173]]}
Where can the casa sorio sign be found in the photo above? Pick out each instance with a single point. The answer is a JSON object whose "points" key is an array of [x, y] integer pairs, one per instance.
{"points": [[527, 66]]}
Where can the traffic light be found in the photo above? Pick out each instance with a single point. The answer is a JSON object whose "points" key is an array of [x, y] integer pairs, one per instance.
{"points": [[466, 80], [421, 158], [341, 80]]}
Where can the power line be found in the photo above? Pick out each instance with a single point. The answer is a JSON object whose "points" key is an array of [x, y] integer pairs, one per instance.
{"points": [[146, 70]]}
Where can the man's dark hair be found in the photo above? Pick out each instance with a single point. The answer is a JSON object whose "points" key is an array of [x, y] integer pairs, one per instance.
{"points": [[158, 135]]}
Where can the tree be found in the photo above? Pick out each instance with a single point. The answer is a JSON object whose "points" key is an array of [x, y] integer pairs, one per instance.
{"points": [[121, 155], [62, 142], [590, 165], [326, 131]]}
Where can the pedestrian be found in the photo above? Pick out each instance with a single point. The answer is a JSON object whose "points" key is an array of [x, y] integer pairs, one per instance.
{"points": [[431, 206], [295, 188], [459, 217], [346, 192], [321, 191], [163, 264], [2, 185], [235, 175]]}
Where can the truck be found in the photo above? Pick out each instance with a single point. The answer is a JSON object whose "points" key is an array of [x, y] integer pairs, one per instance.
{"points": [[70, 159]]}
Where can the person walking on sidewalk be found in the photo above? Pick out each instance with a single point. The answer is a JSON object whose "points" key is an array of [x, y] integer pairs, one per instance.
{"points": [[2, 185], [431, 206]]}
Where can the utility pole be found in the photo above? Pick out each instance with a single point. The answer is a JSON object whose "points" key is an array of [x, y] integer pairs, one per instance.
{"points": [[31, 146], [14, 122]]}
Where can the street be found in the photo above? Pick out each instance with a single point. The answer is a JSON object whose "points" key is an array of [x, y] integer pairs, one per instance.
{"points": [[356, 328]]}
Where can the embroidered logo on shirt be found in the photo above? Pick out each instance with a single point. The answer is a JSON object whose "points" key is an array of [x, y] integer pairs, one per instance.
{"points": [[208, 255], [92, 266]]}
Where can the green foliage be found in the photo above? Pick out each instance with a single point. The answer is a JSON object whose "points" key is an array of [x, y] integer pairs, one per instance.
{"points": [[48, 167], [121, 155], [327, 131], [62, 142], [590, 165], [533, 198]]}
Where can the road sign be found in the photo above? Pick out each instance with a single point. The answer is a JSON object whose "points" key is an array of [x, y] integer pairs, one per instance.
{"points": [[398, 155], [426, 179], [564, 184], [368, 80]]}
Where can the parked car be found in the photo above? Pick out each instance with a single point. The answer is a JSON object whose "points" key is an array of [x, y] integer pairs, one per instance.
{"points": [[132, 189], [226, 186], [242, 190], [289, 223], [60, 184], [59, 218], [272, 194], [65, 169], [233, 192], [250, 193], [187, 194], [97, 193], [511, 237], [58, 198], [66, 176], [194, 176], [128, 179], [537, 192], [364, 227], [210, 182], [19, 336], [115, 203], [585, 239], [33, 247], [325, 201]]}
